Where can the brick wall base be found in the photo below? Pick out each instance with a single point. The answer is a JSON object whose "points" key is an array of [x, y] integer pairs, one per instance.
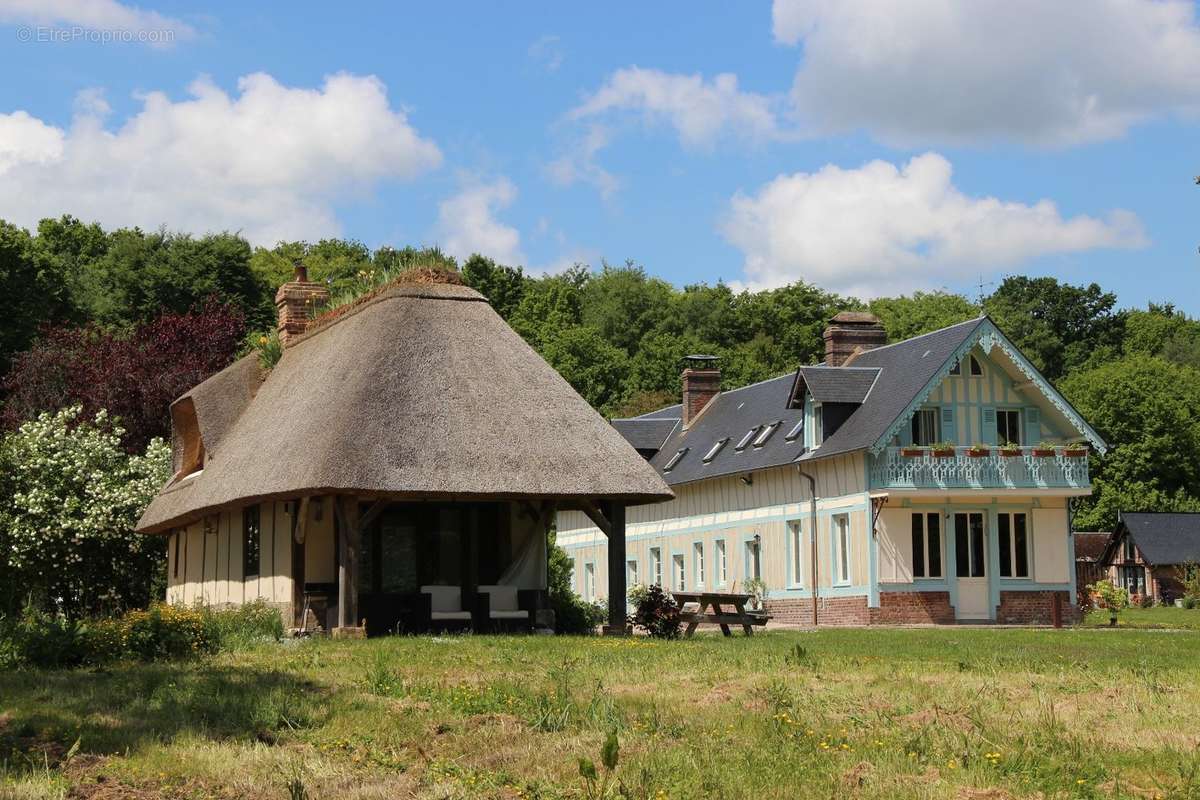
{"points": [[913, 608], [1034, 608], [830, 611]]}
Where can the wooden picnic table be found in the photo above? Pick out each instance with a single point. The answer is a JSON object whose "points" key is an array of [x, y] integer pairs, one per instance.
{"points": [[737, 615]]}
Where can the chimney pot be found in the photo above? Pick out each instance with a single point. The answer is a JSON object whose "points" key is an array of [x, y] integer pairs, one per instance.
{"points": [[849, 333], [297, 302], [701, 383]]}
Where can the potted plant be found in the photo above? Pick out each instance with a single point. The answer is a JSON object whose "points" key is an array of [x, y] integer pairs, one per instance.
{"points": [[942, 449], [758, 591], [1044, 449], [979, 451], [1010, 450], [1075, 450], [1113, 597], [913, 451]]}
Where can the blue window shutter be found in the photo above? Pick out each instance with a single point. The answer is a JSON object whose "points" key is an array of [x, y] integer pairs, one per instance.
{"points": [[1033, 425], [949, 433], [988, 425]]}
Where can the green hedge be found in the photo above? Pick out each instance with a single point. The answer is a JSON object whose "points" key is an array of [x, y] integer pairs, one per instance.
{"points": [[160, 632]]}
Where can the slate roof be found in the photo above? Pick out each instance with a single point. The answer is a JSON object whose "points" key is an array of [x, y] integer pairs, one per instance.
{"points": [[904, 370], [1162, 537], [646, 433], [731, 415], [836, 384]]}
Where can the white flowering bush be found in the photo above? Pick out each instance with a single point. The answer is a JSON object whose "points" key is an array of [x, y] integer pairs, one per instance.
{"points": [[69, 498]]}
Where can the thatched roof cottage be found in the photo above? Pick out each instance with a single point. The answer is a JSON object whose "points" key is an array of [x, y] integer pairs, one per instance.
{"points": [[400, 464]]}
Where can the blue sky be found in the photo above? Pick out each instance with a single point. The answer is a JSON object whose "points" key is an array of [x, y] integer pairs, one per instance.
{"points": [[756, 143]]}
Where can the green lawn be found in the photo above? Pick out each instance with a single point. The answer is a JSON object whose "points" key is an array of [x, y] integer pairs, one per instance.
{"points": [[1158, 617], [920, 713]]}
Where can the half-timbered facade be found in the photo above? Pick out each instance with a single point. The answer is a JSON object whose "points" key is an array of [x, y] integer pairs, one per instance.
{"points": [[927, 480]]}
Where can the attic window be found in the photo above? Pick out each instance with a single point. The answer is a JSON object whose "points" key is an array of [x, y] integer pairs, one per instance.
{"points": [[956, 369], [716, 448], [675, 459], [746, 439], [766, 433], [976, 367], [795, 432], [188, 447]]}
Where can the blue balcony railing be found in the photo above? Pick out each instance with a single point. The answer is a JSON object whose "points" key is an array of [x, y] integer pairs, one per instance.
{"points": [[1031, 469]]}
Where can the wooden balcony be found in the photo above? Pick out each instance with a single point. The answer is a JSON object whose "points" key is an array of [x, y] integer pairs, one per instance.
{"points": [[1031, 468]]}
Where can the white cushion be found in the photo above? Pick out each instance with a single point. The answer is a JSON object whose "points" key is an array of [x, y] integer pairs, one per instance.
{"points": [[509, 614], [444, 598], [450, 615], [501, 598]]}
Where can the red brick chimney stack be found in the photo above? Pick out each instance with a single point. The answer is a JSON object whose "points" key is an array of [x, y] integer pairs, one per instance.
{"points": [[701, 383], [849, 333], [297, 302]]}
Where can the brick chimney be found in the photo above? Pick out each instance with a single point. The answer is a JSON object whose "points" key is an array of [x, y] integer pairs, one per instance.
{"points": [[298, 301], [849, 333], [701, 383]]}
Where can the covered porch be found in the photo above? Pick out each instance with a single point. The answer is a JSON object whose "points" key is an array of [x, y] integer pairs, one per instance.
{"points": [[388, 566]]}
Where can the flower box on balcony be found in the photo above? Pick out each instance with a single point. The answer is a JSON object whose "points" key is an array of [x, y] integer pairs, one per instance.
{"points": [[1075, 452], [913, 452], [942, 450], [1044, 452], [979, 451], [1011, 452]]}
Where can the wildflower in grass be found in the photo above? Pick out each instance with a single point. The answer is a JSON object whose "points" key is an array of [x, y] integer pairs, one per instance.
{"points": [[952, 764]]}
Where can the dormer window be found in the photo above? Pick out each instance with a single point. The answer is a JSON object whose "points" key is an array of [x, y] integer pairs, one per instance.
{"points": [[973, 364], [188, 447], [818, 434]]}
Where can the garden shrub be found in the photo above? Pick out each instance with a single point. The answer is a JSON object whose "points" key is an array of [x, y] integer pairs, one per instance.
{"points": [[575, 616], [161, 632], [656, 613]]}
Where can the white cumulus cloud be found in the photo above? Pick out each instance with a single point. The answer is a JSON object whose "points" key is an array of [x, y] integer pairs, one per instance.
{"points": [[270, 161], [100, 15], [467, 222], [1030, 71], [883, 229], [700, 111]]}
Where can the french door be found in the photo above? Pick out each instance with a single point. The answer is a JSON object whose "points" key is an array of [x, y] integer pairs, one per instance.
{"points": [[970, 554]]}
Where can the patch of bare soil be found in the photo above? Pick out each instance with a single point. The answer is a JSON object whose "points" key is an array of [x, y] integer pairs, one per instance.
{"points": [[936, 716], [990, 793], [857, 776]]}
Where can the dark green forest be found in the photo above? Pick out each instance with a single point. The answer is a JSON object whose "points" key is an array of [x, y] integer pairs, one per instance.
{"points": [[616, 333]]}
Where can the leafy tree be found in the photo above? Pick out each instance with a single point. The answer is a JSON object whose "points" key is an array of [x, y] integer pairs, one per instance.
{"points": [[794, 316], [548, 306], [69, 499], [1057, 325], [623, 303], [1148, 411], [502, 286], [591, 365], [30, 294], [134, 376], [141, 275], [1162, 330], [921, 312]]}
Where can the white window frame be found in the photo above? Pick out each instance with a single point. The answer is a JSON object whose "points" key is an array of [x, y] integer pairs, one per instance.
{"points": [[926, 549], [818, 435], [631, 572], [721, 557], [796, 541], [925, 415], [753, 559], [698, 575], [679, 572], [656, 565], [1004, 411], [589, 581], [840, 524], [1012, 546]]}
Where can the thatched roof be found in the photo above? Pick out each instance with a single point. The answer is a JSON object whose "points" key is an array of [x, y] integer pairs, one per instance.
{"points": [[422, 391]]}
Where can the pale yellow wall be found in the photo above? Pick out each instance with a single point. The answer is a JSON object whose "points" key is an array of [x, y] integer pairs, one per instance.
{"points": [[1048, 530], [210, 569], [319, 556], [836, 477]]}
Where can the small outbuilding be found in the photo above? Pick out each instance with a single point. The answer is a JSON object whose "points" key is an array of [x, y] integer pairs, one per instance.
{"points": [[1148, 553], [397, 469]]}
